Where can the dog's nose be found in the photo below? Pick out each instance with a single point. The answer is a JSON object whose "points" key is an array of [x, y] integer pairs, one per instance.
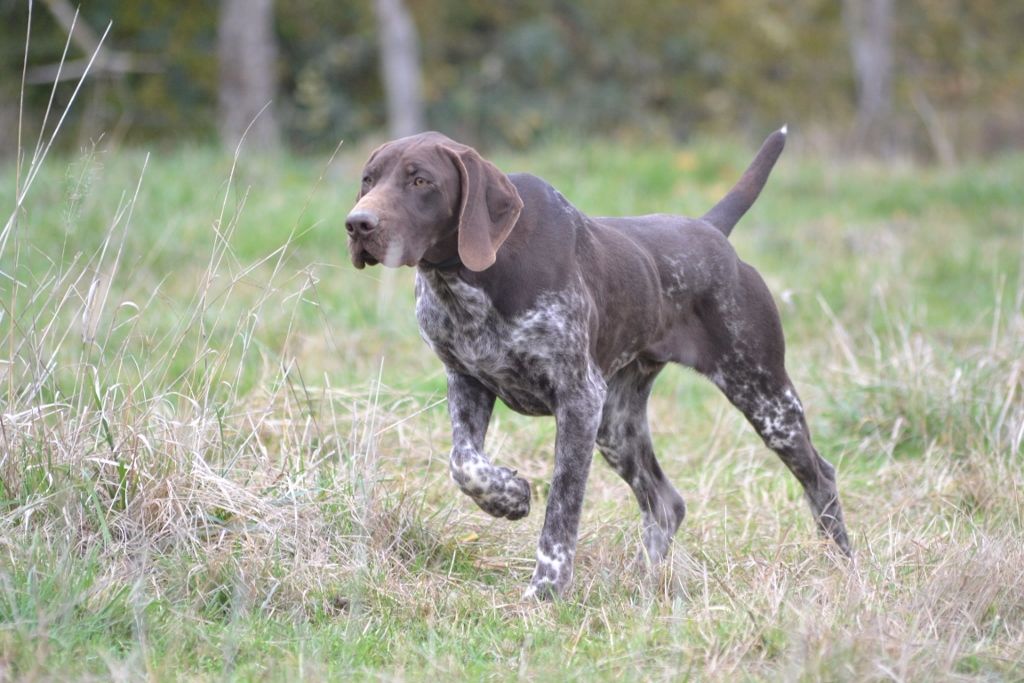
{"points": [[361, 223]]}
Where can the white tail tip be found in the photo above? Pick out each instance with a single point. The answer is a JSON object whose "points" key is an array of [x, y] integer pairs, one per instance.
{"points": [[784, 130]]}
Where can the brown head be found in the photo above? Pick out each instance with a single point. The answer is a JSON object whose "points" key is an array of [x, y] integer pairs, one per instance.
{"points": [[426, 198]]}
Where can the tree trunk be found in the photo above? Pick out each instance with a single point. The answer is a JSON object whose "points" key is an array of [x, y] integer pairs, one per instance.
{"points": [[400, 72], [247, 49], [869, 27], [400, 67]]}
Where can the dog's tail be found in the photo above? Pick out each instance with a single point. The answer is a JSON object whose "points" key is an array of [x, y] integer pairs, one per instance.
{"points": [[727, 212]]}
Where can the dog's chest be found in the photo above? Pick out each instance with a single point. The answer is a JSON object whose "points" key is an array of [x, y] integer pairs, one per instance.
{"points": [[524, 360]]}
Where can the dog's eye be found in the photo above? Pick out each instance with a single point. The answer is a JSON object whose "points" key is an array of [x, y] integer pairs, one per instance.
{"points": [[367, 180], [420, 182]]}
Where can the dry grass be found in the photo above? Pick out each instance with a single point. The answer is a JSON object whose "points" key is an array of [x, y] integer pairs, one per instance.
{"points": [[158, 520]]}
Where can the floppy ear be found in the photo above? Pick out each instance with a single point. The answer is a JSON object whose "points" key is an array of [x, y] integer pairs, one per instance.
{"points": [[489, 208]]}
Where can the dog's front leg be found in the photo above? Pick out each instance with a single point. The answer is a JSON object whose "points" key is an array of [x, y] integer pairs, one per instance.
{"points": [[576, 418], [497, 490]]}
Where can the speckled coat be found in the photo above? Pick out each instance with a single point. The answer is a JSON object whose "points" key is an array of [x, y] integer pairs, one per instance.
{"points": [[526, 299]]}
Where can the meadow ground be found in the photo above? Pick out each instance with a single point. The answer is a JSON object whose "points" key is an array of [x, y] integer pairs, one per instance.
{"points": [[223, 450]]}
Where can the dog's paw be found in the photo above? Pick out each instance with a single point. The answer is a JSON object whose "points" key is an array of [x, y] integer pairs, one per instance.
{"points": [[517, 491], [552, 574], [541, 591], [508, 496]]}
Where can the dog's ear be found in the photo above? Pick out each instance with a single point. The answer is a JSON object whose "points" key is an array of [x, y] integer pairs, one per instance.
{"points": [[489, 208]]}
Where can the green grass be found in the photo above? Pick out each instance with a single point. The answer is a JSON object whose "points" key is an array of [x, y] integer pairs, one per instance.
{"points": [[223, 449]]}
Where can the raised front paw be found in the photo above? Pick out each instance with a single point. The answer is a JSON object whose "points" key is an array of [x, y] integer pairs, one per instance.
{"points": [[506, 495]]}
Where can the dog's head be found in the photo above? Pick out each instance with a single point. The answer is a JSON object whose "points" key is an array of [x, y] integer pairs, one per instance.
{"points": [[429, 198]]}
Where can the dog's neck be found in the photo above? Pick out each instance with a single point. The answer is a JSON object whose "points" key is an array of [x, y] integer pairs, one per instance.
{"points": [[449, 263]]}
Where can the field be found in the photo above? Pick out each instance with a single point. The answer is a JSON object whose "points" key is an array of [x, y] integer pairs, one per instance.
{"points": [[223, 450]]}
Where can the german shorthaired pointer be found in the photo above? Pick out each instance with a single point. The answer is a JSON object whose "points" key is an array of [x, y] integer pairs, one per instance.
{"points": [[526, 299]]}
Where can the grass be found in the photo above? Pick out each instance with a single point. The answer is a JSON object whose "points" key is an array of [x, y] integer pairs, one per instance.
{"points": [[224, 449]]}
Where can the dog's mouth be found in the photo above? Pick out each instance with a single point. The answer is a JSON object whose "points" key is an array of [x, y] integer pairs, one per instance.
{"points": [[361, 256], [391, 254]]}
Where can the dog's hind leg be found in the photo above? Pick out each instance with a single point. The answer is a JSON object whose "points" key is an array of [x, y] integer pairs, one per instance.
{"points": [[624, 440], [771, 405], [746, 360]]}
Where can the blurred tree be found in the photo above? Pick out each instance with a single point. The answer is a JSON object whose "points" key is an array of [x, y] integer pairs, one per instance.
{"points": [[869, 26], [515, 72], [247, 50], [88, 42], [400, 67], [109, 69]]}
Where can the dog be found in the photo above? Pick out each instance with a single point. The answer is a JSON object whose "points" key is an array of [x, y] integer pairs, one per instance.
{"points": [[525, 298]]}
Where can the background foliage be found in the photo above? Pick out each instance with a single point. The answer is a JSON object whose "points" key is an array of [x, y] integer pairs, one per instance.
{"points": [[520, 71]]}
